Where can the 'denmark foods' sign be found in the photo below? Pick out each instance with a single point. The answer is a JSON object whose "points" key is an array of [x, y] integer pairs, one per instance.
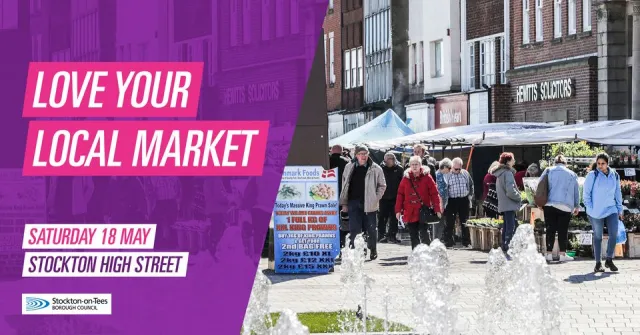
{"points": [[548, 90]]}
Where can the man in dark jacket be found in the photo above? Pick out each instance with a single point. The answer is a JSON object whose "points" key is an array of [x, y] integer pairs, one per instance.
{"points": [[337, 160], [421, 150], [393, 173]]}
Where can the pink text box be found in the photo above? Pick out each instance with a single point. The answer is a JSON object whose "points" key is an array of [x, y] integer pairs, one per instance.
{"points": [[79, 81], [231, 148]]}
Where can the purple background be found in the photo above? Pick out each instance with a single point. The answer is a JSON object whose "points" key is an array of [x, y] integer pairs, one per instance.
{"points": [[242, 42]]}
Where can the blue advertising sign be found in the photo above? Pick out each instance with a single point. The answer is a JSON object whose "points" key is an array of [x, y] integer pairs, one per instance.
{"points": [[307, 220]]}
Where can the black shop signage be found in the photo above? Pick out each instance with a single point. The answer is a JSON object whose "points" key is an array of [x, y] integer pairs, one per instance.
{"points": [[546, 90]]}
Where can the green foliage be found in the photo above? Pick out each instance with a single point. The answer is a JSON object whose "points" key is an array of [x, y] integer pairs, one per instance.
{"points": [[577, 149], [329, 322]]}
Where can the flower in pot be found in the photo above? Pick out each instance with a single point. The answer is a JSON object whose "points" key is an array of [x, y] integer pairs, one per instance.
{"points": [[574, 244]]}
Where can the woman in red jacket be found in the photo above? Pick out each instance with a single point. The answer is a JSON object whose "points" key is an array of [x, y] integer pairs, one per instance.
{"points": [[408, 202]]}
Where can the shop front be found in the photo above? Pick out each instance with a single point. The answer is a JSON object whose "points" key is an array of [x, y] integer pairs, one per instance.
{"points": [[451, 111], [561, 93]]}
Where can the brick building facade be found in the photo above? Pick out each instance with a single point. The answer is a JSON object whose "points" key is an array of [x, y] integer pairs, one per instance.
{"points": [[486, 59], [333, 54], [554, 63]]}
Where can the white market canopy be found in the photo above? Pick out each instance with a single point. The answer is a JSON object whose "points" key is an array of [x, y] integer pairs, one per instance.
{"points": [[387, 126], [464, 135], [619, 133]]}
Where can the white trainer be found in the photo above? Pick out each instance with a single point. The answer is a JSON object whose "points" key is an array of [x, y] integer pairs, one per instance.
{"points": [[549, 257], [565, 258]]}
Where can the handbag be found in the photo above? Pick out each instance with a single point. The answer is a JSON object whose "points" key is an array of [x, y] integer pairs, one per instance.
{"points": [[427, 214], [542, 192]]}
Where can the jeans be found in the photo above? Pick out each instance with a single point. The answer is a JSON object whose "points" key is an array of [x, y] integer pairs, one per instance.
{"points": [[457, 207], [419, 233], [508, 228], [359, 221], [557, 221], [612, 229], [387, 213]]}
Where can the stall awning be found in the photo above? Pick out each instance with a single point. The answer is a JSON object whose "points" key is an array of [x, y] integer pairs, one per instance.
{"points": [[386, 126], [465, 135]]}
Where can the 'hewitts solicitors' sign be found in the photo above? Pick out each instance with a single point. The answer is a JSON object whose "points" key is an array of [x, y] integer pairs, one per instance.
{"points": [[548, 90], [252, 93]]}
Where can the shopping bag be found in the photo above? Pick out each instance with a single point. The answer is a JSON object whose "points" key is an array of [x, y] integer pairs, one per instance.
{"points": [[400, 222], [622, 234]]}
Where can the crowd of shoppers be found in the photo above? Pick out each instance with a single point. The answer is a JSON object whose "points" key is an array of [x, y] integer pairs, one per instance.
{"points": [[431, 197]]}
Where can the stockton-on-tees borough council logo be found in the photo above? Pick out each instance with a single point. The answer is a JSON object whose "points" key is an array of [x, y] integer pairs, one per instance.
{"points": [[34, 304]]}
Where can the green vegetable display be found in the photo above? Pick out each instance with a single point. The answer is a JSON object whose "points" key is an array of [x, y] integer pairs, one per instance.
{"points": [[577, 149]]}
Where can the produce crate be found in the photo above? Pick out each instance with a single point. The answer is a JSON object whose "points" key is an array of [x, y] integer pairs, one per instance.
{"points": [[486, 242], [496, 238], [193, 235], [473, 237], [633, 240]]}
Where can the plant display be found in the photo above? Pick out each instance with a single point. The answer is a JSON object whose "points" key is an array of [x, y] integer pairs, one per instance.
{"points": [[574, 244], [485, 223], [577, 149], [632, 222], [629, 188], [530, 187], [578, 223]]}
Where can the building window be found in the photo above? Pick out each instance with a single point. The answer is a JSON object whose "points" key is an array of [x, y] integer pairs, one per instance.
{"points": [[413, 64], [246, 21], [487, 62], [324, 46], [8, 14], [572, 17], [295, 21], [266, 20], [331, 4], [360, 67], [539, 26], [503, 61], [61, 56], [36, 48], [557, 18], [233, 23], [353, 68], [472, 65], [525, 22], [421, 63], [586, 15], [437, 59], [332, 72], [347, 69], [36, 6], [280, 28]]}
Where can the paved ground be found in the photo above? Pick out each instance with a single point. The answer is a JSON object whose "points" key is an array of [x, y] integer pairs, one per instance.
{"points": [[594, 304]]}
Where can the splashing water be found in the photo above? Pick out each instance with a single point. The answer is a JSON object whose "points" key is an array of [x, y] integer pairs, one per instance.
{"points": [[491, 319], [386, 301], [355, 284], [433, 292], [288, 324], [257, 319], [527, 297]]}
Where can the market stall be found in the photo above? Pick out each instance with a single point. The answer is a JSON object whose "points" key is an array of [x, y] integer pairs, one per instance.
{"points": [[579, 143]]}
